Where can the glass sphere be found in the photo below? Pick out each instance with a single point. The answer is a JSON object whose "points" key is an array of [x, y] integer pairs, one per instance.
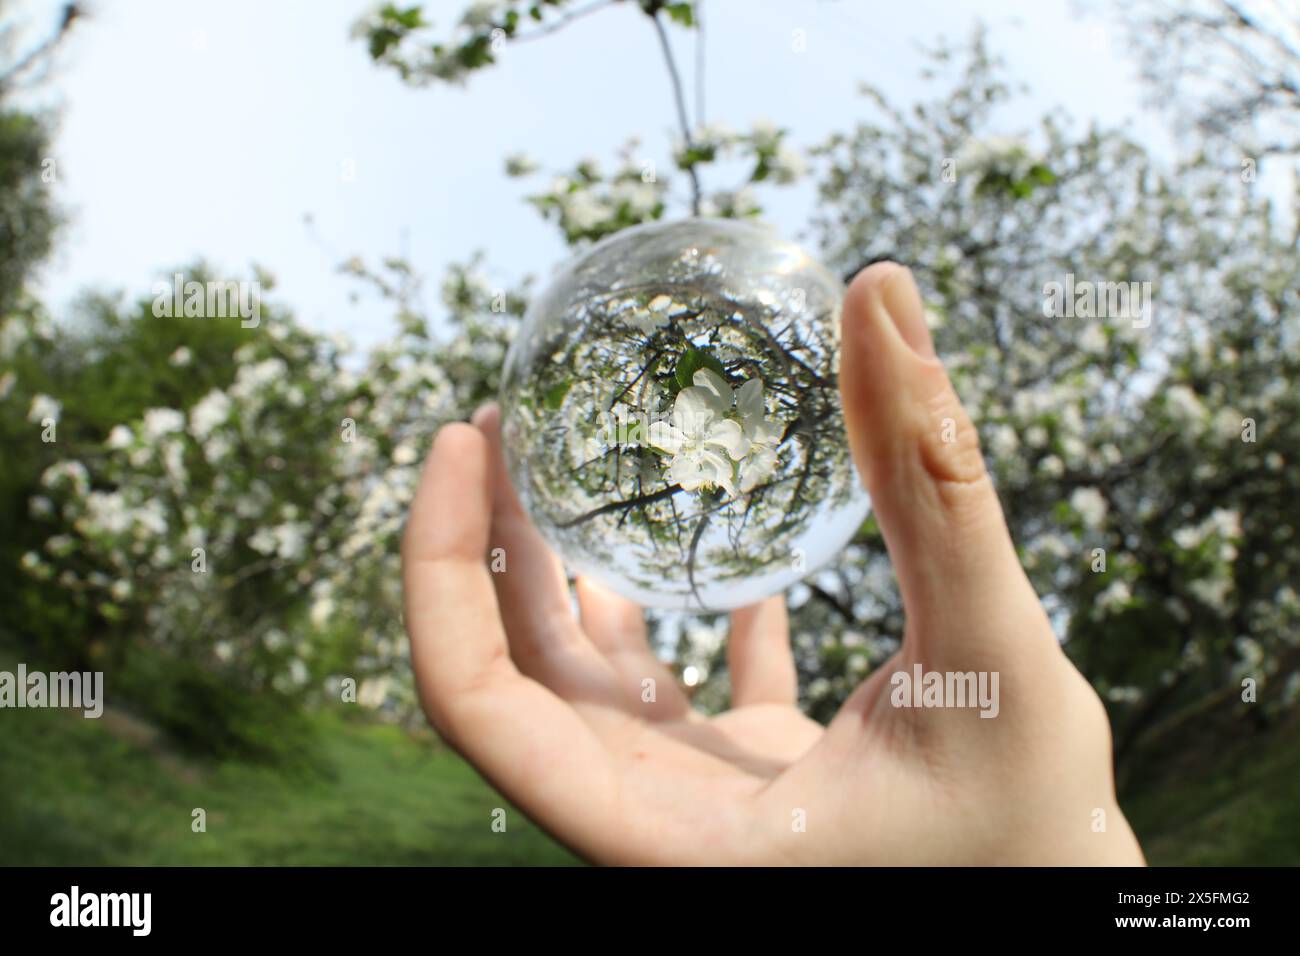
{"points": [[671, 415]]}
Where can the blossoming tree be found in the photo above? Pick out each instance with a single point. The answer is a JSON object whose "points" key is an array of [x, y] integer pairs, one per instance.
{"points": [[1146, 458]]}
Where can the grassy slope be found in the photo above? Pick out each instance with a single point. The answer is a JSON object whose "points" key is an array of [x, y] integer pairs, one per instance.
{"points": [[1222, 795], [74, 792]]}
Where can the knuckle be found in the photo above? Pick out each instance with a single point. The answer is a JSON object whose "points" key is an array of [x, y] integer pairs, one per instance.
{"points": [[949, 445]]}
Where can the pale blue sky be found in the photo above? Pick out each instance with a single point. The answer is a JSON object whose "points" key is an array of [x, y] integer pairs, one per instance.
{"points": [[211, 127]]}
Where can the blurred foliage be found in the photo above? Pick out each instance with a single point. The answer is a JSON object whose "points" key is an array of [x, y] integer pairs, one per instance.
{"points": [[108, 793], [406, 38], [205, 713], [289, 459], [27, 218], [1165, 439]]}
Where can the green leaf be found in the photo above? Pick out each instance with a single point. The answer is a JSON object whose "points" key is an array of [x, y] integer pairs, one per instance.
{"points": [[1042, 175], [682, 13], [554, 397], [411, 18], [692, 361], [696, 154], [111, 612]]}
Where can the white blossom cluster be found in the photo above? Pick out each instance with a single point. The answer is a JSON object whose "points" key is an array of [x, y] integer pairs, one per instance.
{"points": [[259, 526], [717, 437]]}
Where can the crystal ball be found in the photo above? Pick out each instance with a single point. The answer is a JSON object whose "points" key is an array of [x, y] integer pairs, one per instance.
{"points": [[671, 415]]}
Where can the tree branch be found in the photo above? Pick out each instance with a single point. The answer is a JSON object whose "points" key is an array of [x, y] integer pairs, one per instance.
{"points": [[617, 505], [561, 23], [70, 13], [690, 560], [699, 63], [680, 100], [821, 594]]}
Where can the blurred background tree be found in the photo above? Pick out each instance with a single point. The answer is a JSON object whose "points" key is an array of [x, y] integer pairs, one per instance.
{"points": [[1168, 584], [1147, 463]]}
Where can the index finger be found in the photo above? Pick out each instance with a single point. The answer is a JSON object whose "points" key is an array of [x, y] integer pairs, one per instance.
{"points": [[524, 739]]}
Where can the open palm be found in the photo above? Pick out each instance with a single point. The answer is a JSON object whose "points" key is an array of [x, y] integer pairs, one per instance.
{"points": [[577, 721]]}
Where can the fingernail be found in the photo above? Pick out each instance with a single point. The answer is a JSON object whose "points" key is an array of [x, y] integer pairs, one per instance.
{"points": [[902, 301], [482, 414]]}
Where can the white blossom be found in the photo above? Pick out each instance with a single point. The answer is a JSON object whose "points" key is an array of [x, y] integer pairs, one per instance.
{"points": [[211, 410], [373, 692], [405, 454], [640, 198], [73, 473], [657, 313], [1090, 506], [764, 133], [582, 210], [1003, 441], [1124, 695], [996, 154], [788, 165], [480, 14], [705, 442], [1212, 591], [106, 512], [1184, 407], [762, 433], [13, 333], [42, 408], [1115, 597], [1093, 339], [254, 378], [322, 609], [716, 135], [119, 437], [298, 673], [1052, 467], [162, 421]]}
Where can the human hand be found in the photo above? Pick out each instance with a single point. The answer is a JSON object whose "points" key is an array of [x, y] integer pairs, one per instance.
{"points": [[550, 709]]}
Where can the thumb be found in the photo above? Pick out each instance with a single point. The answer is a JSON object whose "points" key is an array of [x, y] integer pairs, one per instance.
{"points": [[918, 454]]}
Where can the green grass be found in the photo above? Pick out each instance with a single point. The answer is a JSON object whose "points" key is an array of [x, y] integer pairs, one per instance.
{"points": [[84, 792], [1226, 796], [110, 792]]}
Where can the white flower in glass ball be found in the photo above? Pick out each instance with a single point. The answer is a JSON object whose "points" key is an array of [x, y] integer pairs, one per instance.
{"points": [[671, 417]]}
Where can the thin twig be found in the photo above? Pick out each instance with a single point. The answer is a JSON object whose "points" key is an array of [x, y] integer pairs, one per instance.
{"points": [[561, 23], [616, 505], [699, 63], [70, 13], [690, 558], [680, 100], [835, 603]]}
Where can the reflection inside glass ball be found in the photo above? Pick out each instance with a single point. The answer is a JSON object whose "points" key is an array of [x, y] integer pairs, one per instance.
{"points": [[671, 417]]}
